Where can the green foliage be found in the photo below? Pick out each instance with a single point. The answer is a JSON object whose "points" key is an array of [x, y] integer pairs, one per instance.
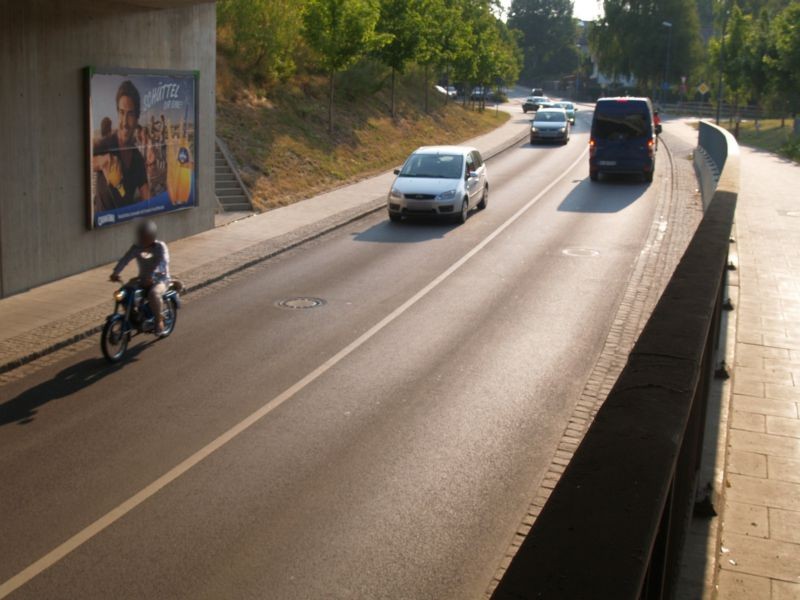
{"points": [[549, 37], [260, 36], [482, 49], [401, 22], [341, 31], [761, 58], [785, 63], [631, 40]]}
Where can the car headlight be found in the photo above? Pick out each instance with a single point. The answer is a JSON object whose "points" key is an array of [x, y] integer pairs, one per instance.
{"points": [[533, 129], [397, 195], [563, 130], [119, 295], [448, 195]]}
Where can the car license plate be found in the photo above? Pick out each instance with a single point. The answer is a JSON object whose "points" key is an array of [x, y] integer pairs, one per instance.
{"points": [[607, 163]]}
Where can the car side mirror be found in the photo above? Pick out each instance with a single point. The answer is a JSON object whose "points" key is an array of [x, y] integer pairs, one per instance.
{"points": [[472, 175], [658, 129], [397, 171]]}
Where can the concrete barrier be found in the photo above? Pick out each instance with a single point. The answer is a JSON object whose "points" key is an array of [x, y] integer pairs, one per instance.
{"points": [[614, 525], [711, 157]]}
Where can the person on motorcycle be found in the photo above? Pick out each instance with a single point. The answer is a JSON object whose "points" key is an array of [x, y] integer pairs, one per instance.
{"points": [[152, 257]]}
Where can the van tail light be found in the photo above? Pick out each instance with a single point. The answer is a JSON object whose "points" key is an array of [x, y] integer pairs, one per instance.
{"points": [[592, 146], [650, 147]]}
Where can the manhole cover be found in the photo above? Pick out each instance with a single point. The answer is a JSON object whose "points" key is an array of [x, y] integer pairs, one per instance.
{"points": [[300, 303], [580, 252]]}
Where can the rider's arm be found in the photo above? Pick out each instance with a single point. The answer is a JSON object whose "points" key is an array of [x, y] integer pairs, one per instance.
{"points": [[123, 262]]}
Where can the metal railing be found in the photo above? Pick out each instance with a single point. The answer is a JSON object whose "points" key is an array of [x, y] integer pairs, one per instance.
{"points": [[613, 527]]}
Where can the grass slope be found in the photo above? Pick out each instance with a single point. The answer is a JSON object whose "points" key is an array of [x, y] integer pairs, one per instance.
{"points": [[770, 136], [286, 154]]}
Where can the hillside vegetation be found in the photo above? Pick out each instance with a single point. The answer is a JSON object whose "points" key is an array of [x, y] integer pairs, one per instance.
{"points": [[285, 152], [316, 93]]}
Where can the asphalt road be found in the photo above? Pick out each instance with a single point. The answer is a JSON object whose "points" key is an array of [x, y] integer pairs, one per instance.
{"points": [[400, 468]]}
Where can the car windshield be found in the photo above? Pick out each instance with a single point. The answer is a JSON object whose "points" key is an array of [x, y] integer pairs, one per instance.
{"points": [[438, 166], [565, 105], [621, 121], [549, 117]]}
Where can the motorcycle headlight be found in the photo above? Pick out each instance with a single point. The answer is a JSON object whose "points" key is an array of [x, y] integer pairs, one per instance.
{"points": [[396, 194], [119, 295], [448, 195]]}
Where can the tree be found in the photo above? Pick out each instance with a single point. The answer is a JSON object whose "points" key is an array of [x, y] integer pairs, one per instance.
{"points": [[401, 22], [261, 36], [430, 49], [734, 67], [549, 37], [455, 36], [786, 62], [341, 32], [757, 52], [631, 40]]}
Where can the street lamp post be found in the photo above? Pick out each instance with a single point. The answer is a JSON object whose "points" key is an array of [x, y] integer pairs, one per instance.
{"points": [[668, 25]]}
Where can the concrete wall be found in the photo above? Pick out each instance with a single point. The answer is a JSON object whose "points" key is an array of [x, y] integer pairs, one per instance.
{"points": [[44, 47], [716, 161]]}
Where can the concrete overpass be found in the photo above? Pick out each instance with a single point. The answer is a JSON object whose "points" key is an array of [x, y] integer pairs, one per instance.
{"points": [[45, 48]]}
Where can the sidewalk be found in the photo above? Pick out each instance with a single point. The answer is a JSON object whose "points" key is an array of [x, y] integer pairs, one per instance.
{"points": [[53, 315], [757, 555], [760, 531]]}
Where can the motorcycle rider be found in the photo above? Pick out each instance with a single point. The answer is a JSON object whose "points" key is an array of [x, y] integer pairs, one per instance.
{"points": [[152, 257]]}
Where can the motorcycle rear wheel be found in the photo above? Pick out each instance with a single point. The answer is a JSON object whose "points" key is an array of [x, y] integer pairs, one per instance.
{"points": [[114, 339]]}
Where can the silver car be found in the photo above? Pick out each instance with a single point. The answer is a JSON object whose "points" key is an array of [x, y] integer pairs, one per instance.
{"points": [[550, 125], [444, 181]]}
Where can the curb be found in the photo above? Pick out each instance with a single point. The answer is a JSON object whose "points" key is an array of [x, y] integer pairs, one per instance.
{"points": [[368, 209]]}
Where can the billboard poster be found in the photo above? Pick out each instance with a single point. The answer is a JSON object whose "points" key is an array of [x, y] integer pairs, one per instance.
{"points": [[143, 132]]}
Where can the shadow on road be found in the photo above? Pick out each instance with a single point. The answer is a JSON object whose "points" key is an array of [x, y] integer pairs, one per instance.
{"points": [[608, 196], [23, 408], [413, 230]]}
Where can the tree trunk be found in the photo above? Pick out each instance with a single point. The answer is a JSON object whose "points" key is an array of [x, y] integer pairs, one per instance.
{"points": [[330, 104], [426, 89], [394, 114]]}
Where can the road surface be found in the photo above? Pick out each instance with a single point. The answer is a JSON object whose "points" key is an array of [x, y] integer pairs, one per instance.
{"points": [[395, 433]]}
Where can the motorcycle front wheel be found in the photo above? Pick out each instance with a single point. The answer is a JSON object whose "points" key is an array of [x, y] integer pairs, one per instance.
{"points": [[114, 339]]}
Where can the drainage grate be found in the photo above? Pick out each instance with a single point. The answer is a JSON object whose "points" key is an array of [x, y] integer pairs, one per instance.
{"points": [[300, 303]]}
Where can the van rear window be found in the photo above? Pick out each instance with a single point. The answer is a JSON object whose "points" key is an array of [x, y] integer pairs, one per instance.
{"points": [[620, 121]]}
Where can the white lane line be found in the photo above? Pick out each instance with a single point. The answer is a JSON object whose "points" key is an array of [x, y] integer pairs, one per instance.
{"points": [[128, 505]]}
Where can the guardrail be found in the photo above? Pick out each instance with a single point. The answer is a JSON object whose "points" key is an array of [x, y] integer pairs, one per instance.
{"points": [[613, 527], [709, 111]]}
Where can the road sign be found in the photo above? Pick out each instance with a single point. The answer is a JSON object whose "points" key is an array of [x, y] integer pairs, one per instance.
{"points": [[703, 89]]}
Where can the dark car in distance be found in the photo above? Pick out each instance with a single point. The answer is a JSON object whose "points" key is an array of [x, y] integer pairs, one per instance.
{"points": [[533, 103], [623, 138]]}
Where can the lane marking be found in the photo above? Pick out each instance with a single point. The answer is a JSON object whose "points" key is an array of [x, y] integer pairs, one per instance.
{"points": [[128, 505]]}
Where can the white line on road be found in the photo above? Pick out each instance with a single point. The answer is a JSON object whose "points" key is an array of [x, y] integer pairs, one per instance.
{"points": [[128, 505]]}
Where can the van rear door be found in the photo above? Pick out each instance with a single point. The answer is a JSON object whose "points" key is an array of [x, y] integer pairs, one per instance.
{"points": [[621, 130]]}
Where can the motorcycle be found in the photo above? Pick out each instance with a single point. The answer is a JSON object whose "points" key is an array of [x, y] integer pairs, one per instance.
{"points": [[132, 316]]}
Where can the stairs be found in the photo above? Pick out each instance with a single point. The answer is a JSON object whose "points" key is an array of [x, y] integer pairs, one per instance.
{"points": [[228, 187]]}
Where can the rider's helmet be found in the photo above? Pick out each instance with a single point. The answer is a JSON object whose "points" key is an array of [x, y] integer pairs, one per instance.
{"points": [[146, 232]]}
